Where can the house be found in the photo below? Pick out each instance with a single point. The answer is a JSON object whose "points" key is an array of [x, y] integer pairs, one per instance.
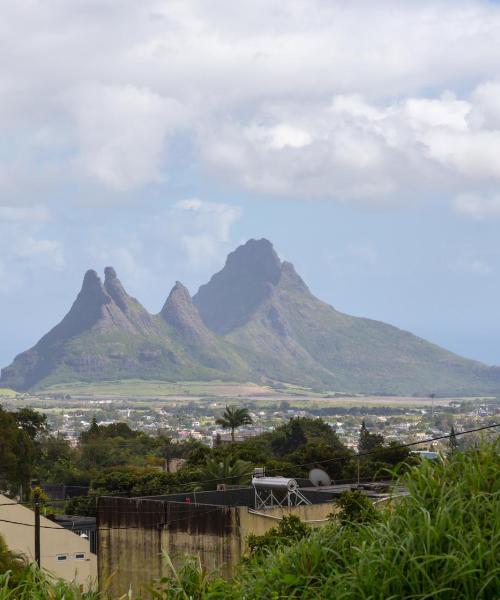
{"points": [[63, 553]]}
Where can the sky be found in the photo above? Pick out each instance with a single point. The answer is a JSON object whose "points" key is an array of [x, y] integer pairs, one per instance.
{"points": [[362, 138]]}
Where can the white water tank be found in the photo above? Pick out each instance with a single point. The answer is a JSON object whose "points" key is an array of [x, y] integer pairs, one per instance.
{"points": [[274, 483]]}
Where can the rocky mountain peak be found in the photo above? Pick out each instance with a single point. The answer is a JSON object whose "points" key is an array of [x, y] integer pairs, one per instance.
{"points": [[291, 279], [92, 287], [180, 312], [109, 274], [115, 289], [231, 296], [256, 259]]}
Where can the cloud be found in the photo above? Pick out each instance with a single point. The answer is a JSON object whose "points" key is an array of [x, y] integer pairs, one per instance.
{"points": [[127, 254], [213, 217], [40, 252], [187, 240], [365, 101], [202, 229], [121, 132], [352, 149], [478, 206]]}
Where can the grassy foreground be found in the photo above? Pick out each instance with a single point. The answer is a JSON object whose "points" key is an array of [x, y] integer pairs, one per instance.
{"points": [[442, 542]]}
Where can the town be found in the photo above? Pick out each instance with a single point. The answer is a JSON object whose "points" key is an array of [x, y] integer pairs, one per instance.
{"points": [[188, 415]]}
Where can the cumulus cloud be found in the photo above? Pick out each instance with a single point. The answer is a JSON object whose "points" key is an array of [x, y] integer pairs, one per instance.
{"points": [[121, 132], [201, 228], [357, 101], [353, 149]]}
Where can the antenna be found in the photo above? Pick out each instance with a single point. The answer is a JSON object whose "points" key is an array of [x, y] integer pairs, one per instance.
{"points": [[319, 478]]}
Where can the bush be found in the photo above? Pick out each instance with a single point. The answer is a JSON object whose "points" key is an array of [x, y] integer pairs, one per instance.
{"points": [[355, 507], [289, 531], [440, 542]]}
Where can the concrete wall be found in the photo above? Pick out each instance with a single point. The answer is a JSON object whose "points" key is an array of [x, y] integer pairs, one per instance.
{"points": [[54, 541], [134, 532]]}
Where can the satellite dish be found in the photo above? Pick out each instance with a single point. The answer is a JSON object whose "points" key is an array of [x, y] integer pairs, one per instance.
{"points": [[319, 478]]}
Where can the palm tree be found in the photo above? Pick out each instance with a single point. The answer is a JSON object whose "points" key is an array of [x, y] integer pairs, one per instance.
{"points": [[227, 470], [233, 418]]}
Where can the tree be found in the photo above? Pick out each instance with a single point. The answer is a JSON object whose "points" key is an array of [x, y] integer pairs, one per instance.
{"points": [[17, 453], [233, 418], [94, 427], [289, 437], [227, 470], [369, 441], [34, 423], [452, 440], [321, 455]]}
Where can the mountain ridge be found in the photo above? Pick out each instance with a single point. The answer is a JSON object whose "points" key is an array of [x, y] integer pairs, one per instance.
{"points": [[254, 320]]}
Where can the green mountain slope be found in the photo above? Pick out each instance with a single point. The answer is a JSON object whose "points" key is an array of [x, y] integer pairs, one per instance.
{"points": [[254, 320], [108, 335], [286, 333]]}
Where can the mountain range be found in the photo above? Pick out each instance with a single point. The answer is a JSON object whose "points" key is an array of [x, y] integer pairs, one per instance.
{"points": [[255, 320]]}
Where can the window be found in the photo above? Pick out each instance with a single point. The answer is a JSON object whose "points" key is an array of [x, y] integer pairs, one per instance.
{"points": [[61, 557], [80, 556]]}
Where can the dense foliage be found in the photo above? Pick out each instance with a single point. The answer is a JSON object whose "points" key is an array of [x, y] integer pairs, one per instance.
{"points": [[116, 460], [440, 542], [288, 532]]}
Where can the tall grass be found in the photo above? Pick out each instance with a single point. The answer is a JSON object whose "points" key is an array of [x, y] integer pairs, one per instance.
{"points": [[30, 583], [442, 542]]}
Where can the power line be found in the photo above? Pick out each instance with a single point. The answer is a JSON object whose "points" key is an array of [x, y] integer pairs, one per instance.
{"points": [[345, 458], [340, 458], [30, 524], [335, 459], [329, 460]]}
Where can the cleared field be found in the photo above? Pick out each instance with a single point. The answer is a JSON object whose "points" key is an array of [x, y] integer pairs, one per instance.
{"points": [[7, 393], [140, 392], [157, 389]]}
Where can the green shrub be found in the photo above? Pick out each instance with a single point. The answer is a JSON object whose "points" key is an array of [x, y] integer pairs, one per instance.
{"points": [[355, 507], [441, 542], [289, 531]]}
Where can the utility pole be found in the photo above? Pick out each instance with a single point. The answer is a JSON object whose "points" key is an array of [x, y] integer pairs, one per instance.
{"points": [[36, 498]]}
